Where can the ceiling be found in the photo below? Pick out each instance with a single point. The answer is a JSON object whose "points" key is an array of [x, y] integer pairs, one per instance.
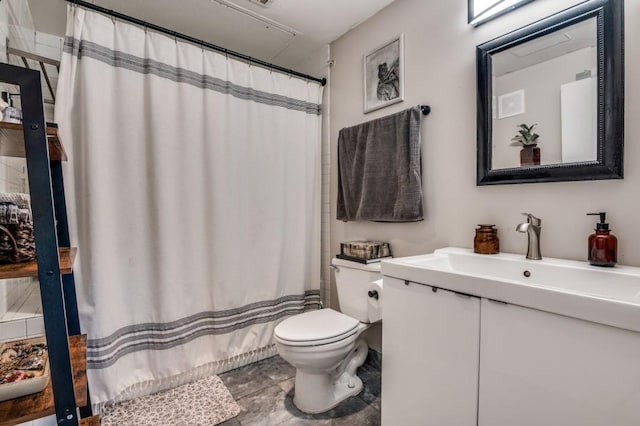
{"points": [[286, 32], [570, 39]]}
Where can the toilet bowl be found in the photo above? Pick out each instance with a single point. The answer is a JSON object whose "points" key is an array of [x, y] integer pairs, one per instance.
{"points": [[325, 346]]}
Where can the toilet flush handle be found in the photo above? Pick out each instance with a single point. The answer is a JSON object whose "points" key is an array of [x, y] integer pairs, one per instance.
{"points": [[374, 294], [335, 268]]}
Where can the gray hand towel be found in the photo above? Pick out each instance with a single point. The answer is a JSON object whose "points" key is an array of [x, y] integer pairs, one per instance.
{"points": [[379, 173]]}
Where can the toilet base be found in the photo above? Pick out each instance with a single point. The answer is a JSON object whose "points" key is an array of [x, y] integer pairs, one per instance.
{"points": [[317, 393]]}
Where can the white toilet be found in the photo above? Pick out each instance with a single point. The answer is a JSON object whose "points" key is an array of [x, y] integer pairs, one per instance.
{"points": [[324, 344]]}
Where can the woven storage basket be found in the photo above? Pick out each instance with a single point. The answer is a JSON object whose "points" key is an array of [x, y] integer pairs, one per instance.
{"points": [[364, 250], [17, 243]]}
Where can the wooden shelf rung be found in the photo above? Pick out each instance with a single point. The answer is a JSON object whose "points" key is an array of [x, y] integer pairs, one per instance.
{"points": [[90, 421], [37, 405], [30, 269], [12, 142]]}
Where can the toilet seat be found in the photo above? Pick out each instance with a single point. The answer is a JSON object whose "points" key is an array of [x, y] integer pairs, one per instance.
{"points": [[315, 328]]}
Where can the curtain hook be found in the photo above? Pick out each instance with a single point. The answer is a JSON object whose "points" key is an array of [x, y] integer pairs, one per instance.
{"points": [[113, 17]]}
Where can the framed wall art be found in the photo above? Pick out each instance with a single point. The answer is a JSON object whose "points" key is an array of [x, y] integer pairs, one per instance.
{"points": [[511, 104], [384, 75]]}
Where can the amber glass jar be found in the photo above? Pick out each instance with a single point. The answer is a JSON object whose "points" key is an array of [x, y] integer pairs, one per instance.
{"points": [[486, 240]]}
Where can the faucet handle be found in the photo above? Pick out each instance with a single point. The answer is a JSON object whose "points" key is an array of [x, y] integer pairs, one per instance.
{"points": [[532, 219]]}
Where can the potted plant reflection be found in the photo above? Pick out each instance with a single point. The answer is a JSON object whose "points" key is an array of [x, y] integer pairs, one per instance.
{"points": [[530, 153]]}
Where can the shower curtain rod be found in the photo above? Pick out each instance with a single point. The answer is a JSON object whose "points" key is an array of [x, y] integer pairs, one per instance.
{"points": [[193, 40]]}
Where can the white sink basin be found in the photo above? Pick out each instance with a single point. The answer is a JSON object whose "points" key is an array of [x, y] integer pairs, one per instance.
{"points": [[608, 296]]}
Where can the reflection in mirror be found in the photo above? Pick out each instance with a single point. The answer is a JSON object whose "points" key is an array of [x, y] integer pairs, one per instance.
{"points": [[550, 81], [551, 98]]}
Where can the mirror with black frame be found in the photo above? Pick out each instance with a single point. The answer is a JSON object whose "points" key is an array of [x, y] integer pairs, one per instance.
{"points": [[551, 99]]}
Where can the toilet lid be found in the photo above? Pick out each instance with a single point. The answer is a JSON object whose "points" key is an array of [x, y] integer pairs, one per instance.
{"points": [[316, 328]]}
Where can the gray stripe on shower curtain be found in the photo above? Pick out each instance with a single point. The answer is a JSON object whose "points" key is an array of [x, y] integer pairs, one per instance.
{"points": [[83, 48], [104, 352]]}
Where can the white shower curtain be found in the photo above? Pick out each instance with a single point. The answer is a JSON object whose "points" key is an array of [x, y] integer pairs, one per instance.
{"points": [[194, 187]]}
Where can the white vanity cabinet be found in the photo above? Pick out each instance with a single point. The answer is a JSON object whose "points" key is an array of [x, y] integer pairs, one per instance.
{"points": [[454, 359], [539, 368], [430, 342], [563, 351]]}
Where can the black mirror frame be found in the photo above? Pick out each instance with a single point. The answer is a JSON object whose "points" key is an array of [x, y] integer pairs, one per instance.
{"points": [[609, 15]]}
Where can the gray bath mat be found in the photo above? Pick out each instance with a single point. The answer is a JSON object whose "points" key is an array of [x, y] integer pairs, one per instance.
{"points": [[205, 402]]}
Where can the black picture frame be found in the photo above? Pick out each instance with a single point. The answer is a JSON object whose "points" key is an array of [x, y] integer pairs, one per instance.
{"points": [[390, 53], [609, 16]]}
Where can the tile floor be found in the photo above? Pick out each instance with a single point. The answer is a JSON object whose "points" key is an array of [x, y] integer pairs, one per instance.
{"points": [[264, 391]]}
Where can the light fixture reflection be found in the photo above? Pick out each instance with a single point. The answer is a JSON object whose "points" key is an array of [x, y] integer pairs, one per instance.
{"points": [[481, 11]]}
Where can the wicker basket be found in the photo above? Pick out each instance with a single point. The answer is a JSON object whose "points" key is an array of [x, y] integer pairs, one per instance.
{"points": [[17, 243]]}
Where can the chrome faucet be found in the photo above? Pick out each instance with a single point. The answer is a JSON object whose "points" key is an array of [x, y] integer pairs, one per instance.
{"points": [[532, 228]]}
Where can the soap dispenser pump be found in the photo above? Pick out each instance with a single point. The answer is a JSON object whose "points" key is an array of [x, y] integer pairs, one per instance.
{"points": [[603, 245]]}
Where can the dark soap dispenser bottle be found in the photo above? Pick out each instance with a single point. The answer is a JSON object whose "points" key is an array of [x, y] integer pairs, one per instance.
{"points": [[603, 245]]}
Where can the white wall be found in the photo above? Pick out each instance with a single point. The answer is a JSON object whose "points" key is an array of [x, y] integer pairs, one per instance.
{"points": [[440, 71], [317, 65]]}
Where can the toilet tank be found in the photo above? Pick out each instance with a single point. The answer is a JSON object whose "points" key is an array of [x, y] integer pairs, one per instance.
{"points": [[353, 283]]}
